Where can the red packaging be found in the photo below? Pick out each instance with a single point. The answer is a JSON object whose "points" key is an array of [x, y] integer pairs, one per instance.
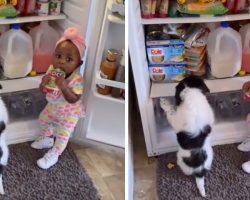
{"points": [[30, 6], [21, 6], [239, 5], [230, 4]]}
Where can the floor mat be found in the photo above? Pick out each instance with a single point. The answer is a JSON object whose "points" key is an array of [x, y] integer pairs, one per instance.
{"points": [[226, 180], [23, 179]]}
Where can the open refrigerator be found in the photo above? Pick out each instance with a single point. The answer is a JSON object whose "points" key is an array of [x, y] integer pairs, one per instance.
{"points": [[225, 98], [103, 28]]}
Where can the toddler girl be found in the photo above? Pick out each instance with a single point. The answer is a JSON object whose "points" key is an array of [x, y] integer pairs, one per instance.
{"points": [[245, 145], [64, 107]]}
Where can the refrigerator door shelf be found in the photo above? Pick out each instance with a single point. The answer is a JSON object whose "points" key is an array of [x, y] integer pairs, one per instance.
{"points": [[106, 117], [107, 82], [110, 98], [115, 7], [116, 18]]}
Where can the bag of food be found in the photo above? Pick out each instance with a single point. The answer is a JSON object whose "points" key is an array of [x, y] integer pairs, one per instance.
{"points": [[215, 8]]}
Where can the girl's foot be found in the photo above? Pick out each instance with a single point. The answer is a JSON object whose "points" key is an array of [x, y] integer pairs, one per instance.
{"points": [[245, 145], [43, 142], [48, 160], [246, 167]]}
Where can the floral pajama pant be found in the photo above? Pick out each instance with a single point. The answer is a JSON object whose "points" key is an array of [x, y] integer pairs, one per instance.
{"points": [[53, 123]]}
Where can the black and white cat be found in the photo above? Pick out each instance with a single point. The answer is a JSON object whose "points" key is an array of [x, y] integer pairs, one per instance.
{"points": [[192, 120], [4, 152]]}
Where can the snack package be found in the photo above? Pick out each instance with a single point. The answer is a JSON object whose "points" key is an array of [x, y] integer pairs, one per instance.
{"points": [[163, 12], [195, 52], [8, 11], [165, 73], [198, 71], [51, 87], [214, 8], [165, 51], [196, 37], [146, 8]]}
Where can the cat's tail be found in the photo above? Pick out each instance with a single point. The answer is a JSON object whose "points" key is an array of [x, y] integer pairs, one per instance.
{"points": [[200, 182]]}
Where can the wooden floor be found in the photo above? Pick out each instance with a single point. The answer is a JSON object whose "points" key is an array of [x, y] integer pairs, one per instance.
{"points": [[144, 167], [106, 167]]}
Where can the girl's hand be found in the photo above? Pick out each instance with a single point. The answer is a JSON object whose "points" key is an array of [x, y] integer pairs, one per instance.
{"points": [[61, 83], [44, 82]]}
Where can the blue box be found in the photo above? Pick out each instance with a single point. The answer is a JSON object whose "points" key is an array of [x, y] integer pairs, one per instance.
{"points": [[165, 51], [165, 73]]}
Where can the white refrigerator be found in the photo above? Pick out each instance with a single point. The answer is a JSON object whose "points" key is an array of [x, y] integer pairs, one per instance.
{"points": [[103, 29], [225, 97]]}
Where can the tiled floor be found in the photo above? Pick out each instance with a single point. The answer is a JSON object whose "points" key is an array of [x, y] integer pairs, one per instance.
{"points": [[106, 167], [145, 168]]}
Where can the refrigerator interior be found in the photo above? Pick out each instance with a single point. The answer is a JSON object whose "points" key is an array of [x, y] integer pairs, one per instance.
{"points": [[225, 98]]}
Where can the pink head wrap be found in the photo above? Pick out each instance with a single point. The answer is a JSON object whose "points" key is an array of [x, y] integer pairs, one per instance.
{"points": [[74, 36]]}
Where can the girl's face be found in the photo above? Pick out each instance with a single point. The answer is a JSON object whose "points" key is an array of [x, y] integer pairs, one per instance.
{"points": [[66, 57]]}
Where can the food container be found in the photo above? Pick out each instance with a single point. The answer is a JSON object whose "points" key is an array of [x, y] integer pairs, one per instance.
{"points": [[165, 73], [165, 51], [42, 8], [55, 7], [146, 8], [51, 87]]}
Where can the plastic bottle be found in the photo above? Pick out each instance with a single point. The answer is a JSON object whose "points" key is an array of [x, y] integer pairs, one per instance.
{"points": [[120, 77], [245, 38], [16, 52], [224, 49], [108, 71], [44, 39]]}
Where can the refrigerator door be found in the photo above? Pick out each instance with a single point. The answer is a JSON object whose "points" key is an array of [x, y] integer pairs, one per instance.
{"points": [[105, 115]]}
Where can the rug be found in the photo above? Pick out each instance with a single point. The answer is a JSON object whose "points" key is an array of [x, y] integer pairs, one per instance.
{"points": [[225, 181], [24, 180]]}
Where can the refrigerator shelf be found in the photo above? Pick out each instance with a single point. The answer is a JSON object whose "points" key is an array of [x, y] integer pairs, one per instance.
{"points": [[107, 82], [202, 19], [109, 97], [14, 85], [31, 19], [215, 85], [116, 18]]}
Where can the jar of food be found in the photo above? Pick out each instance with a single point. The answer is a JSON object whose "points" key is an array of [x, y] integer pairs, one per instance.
{"points": [[55, 7], [42, 7]]}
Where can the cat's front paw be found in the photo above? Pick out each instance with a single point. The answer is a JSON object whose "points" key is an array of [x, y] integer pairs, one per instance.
{"points": [[165, 104]]}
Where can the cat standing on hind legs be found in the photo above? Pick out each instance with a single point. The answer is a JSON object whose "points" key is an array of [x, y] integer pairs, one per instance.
{"points": [[192, 120]]}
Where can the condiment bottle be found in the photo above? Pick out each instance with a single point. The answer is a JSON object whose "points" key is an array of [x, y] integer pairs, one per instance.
{"points": [[108, 71]]}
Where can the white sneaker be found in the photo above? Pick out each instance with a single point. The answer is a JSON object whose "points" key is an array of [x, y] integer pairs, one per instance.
{"points": [[245, 145], [48, 160], [246, 167], [43, 142]]}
